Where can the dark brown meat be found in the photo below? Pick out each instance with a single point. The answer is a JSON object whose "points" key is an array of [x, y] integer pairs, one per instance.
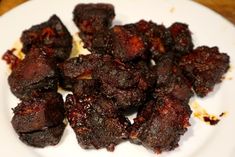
{"points": [[204, 67], [102, 42], [85, 87], [52, 36], [48, 136], [170, 80], [158, 38], [123, 83], [39, 112], [117, 74], [160, 124], [11, 59], [79, 68], [91, 18], [124, 98], [128, 44], [87, 39], [182, 38], [123, 43], [95, 122], [35, 73]]}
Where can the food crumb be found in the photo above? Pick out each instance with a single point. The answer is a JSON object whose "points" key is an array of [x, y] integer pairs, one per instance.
{"points": [[172, 10], [223, 114], [204, 116]]}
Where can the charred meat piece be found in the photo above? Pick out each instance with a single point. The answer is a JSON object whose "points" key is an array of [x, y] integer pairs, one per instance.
{"points": [[85, 87], [95, 122], [80, 67], [123, 43], [170, 80], [128, 44], [121, 82], [87, 40], [204, 67], [35, 73], [124, 98], [158, 38], [178, 87], [11, 59], [48, 136], [39, 112], [91, 18], [117, 74], [163, 69], [160, 124], [182, 38], [102, 42], [52, 36]]}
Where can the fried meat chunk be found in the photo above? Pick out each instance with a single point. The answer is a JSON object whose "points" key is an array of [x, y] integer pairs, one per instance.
{"points": [[35, 73], [170, 80], [124, 99], [51, 35], [158, 37], [204, 67], [160, 123], [128, 44], [38, 112], [46, 137], [123, 43], [80, 67], [95, 121], [182, 38], [91, 18], [121, 82], [85, 87]]}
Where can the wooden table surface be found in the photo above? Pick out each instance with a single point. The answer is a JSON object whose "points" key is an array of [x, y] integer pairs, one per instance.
{"points": [[224, 7]]}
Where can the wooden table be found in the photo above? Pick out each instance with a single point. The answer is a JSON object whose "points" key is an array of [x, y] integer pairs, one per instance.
{"points": [[224, 7]]}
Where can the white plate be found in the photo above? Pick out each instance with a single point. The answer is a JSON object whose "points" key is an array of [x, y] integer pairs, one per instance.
{"points": [[208, 28]]}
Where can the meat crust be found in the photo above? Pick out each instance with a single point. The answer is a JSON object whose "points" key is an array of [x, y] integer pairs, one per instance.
{"points": [[52, 36], [95, 122], [160, 123], [204, 67]]}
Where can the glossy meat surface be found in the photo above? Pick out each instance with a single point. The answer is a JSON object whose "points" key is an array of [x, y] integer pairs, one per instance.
{"points": [[35, 73], [204, 67], [52, 36], [79, 68], [46, 137], [38, 112], [182, 38], [91, 18], [96, 122], [160, 123]]}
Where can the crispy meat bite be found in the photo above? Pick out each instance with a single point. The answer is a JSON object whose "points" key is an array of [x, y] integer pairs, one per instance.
{"points": [[160, 124], [96, 122], [182, 38], [85, 87], [46, 137], [124, 98], [80, 67], [158, 38], [204, 67], [35, 73], [52, 36], [38, 112], [91, 18], [170, 80]]}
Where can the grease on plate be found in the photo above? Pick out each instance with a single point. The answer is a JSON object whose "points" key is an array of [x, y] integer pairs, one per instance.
{"points": [[78, 47], [201, 113]]}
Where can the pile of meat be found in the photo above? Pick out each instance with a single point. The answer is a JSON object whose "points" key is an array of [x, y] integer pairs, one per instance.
{"points": [[142, 66]]}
